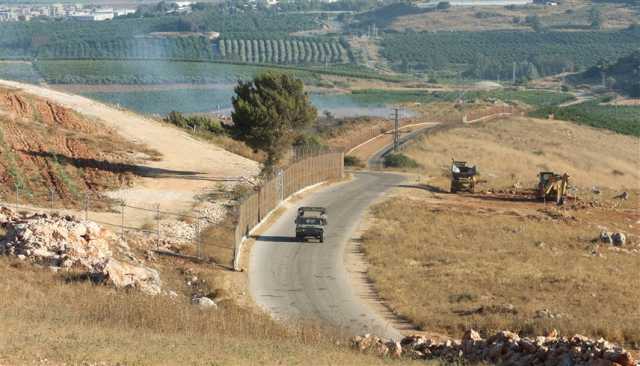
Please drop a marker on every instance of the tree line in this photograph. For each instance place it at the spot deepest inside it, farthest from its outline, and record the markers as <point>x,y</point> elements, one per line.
<point>26,38</point>
<point>491,54</point>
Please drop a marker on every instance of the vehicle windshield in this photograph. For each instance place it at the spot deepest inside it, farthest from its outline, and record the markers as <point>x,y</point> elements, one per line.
<point>311,221</point>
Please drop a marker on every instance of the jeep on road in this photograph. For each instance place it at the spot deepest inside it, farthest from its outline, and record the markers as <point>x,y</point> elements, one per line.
<point>310,223</point>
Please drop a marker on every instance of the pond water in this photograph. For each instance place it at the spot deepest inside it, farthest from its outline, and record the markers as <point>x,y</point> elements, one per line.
<point>218,100</point>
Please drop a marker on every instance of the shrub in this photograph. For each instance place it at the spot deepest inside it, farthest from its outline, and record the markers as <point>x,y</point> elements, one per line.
<point>443,5</point>
<point>399,160</point>
<point>200,123</point>
<point>354,161</point>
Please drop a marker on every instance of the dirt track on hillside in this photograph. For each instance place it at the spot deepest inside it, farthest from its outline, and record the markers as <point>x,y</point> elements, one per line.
<point>188,167</point>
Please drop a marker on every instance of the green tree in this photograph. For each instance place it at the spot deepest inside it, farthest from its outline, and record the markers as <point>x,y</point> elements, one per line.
<point>443,5</point>
<point>595,16</point>
<point>269,112</point>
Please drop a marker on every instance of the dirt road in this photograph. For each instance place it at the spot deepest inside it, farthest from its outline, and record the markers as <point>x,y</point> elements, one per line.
<point>187,168</point>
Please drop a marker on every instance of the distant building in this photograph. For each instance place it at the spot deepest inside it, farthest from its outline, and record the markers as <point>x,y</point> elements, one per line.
<point>123,12</point>
<point>57,10</point>
<point>7,15</point>
<point>430,4</point>
<point>103,14</point>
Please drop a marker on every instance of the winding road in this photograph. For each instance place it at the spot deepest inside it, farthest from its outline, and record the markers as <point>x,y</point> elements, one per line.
<point>309,281</point>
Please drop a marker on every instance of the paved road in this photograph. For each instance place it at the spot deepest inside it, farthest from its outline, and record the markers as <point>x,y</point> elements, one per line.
<point>375,161</point>
<point>294,280</point>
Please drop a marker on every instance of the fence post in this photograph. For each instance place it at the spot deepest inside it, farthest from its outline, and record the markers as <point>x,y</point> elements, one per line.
<point>51,198</point>
<point>199,234</point>
<point>86,206</point>
<point>122,222</point>
<point>158,226</point>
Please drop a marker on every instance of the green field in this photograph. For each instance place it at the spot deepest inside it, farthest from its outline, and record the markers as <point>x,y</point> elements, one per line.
<point>621,119</point>
<point>534,98</point>
<point>283,51</point>
<point>492,54</point>
<point>19,71</point>
<point>141,72</point>
<point>28,38</point>
<point>162,72</point>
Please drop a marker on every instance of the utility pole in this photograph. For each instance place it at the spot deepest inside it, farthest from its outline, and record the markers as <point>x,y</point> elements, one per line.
<point>396,130</point>
<point>513,77</point>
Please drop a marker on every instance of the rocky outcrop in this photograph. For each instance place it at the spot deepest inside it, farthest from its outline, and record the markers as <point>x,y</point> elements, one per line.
<point>65,243</point>
<point>504,348</point>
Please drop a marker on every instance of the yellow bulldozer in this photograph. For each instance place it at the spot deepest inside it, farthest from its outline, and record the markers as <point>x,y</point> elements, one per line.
<point>553,187</point>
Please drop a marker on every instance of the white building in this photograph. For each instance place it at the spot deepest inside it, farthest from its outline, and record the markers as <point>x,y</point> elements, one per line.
<point>123,12</point>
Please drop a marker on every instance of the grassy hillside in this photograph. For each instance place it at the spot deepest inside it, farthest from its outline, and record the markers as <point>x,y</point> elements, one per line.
<point>623,74</point>
<point>499,260</point>
<point>491,54</point>
<point>509,151</point>
<point>55,319</point>
<point>619,118</point>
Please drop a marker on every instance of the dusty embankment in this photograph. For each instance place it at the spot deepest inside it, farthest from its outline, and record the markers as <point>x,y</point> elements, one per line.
<point>187,167</point>
<point>49,151</point>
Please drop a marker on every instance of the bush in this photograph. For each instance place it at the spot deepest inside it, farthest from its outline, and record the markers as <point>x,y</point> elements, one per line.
<point>200,123</point>
<point>443,5</point>
<point>399,160</point>
<point>354,161</point>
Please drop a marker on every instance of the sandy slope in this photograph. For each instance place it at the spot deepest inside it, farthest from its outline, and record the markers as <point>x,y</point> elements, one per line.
<point>187,168</point>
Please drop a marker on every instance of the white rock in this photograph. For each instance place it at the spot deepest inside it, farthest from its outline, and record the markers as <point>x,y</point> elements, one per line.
<point>205,302</point>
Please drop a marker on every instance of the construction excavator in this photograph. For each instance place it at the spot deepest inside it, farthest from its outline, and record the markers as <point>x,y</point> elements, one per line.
<point>553,187</point>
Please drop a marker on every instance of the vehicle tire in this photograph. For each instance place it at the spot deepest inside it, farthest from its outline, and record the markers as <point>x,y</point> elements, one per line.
<point>321,238</point>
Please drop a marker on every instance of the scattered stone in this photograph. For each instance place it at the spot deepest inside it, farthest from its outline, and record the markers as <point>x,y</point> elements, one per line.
<point>205,302</point>
<point>65,243</point>
<point>622,196</point>
<point>502,348</point>
<point>546,314</point>
<point>618,239</point>
<point>605,237</point>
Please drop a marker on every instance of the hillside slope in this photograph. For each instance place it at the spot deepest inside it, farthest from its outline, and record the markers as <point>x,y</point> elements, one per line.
<point>188,166</point>
<point>515,150</point>
<point>45,147</point>
<point>622,75</point>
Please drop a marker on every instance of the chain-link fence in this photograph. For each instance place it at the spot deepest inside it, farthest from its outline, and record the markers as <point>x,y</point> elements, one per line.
<point>488,113</point>
<point>159,227</point>
<point>298,175</point>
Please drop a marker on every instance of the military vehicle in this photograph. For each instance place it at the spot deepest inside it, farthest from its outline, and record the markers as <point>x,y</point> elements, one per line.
<point>311,223</point>
<point>553,187</point>
<point>463,177</point>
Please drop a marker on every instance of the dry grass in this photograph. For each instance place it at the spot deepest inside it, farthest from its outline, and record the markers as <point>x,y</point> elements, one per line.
<point>515,150</point>
<point>500,18</point>
<point>44,317</point>
<point>453,256</point>
<point>237,147</point>
<point>218,241</point>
